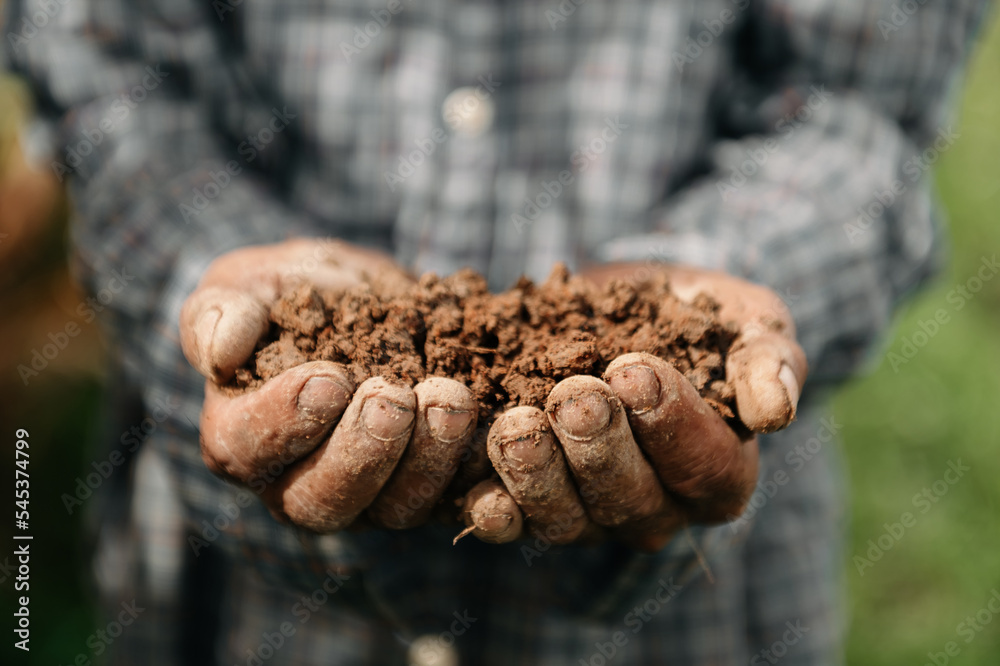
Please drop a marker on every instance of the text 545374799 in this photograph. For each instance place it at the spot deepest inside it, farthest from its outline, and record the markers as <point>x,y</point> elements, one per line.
<point>22,554</point>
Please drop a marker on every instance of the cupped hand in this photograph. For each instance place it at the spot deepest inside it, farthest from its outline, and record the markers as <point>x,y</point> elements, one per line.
<point>318,450</point>
<point>640,454</point>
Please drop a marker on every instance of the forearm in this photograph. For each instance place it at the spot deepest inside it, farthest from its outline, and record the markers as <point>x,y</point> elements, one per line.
<point>823,195</point>
<point>800,213</point>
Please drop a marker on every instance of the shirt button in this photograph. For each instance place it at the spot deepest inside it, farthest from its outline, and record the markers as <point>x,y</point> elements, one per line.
<point>431,651</point>
<point>468,110</point>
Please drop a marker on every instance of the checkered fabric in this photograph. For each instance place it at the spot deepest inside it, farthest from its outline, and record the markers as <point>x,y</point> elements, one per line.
<point>785,141</point>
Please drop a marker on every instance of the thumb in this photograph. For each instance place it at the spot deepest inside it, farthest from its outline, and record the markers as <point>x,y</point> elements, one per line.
<point>219,330</point>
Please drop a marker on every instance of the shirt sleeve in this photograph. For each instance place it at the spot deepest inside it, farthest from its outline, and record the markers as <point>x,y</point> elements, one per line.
<point>818,182</point>
<point>133,94</point>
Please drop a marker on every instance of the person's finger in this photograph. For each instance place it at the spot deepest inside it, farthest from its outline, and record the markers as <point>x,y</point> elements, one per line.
<point>767,372</point>
<point>491,514</point>
<point>695,453</point>
<point>224,318</point>
<point>766,366</point>
<point>445,420</point>
<point>219,330</point>
<point>752,308</point>
<point>617,484</point>
<point>277,424</point>
<point>327,490</point>
<point>526,456</point>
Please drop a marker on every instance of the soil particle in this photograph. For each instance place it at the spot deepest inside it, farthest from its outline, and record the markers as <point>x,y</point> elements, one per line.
<point>510,349</point>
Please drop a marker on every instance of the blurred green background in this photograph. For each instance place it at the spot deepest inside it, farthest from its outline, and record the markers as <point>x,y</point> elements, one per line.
<point>902,425</point>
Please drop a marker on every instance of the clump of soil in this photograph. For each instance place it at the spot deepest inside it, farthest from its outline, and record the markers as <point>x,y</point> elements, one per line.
<point>509,349</point>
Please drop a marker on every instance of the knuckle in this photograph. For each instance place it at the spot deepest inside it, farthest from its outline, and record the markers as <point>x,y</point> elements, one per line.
<point>710,478</point>
<point>719,492</point>
<point>218,459</point>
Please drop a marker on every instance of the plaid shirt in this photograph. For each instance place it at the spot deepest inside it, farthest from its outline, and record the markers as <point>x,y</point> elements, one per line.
<point>786,141</point>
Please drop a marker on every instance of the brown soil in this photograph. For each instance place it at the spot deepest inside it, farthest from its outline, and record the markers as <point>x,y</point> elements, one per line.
<point>510,348</point>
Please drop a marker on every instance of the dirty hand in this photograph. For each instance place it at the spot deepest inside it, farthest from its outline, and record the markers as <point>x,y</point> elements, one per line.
<point>640,454</point>
<point>317,449</point>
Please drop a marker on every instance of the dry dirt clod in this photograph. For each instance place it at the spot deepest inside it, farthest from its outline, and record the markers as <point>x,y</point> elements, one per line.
<point>510,349</point>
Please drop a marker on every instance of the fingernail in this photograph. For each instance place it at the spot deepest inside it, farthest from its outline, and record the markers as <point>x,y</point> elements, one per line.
<point>583,416</point>
<point>385,420</point>
<point>493,522</point>
<point>636,386</point>
<point>787,378</point>
<point>322,397</point>
<point>448,425</point>
<point>204,330</point>
<point>528,452</point>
